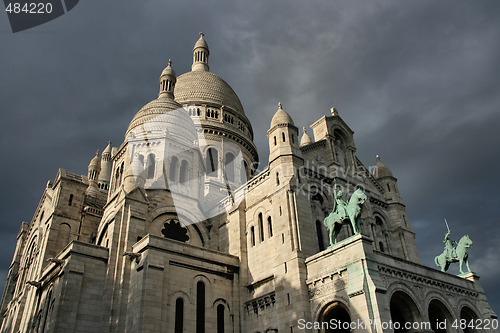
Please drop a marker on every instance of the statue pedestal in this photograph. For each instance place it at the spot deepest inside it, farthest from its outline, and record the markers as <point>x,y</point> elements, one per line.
<point>471,276</point>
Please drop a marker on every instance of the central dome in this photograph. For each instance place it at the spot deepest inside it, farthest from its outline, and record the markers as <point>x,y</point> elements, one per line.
<point>205,87</point>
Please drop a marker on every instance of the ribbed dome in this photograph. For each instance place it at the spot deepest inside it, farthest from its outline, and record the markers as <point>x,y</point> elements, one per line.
<point>198,87</point>
<point>281,117</point>
<point>381,170</point>
<point>151,111</point>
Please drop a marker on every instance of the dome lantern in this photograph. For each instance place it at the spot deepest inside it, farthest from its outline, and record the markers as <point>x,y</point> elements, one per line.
<point>200,55</point>
<point>167,82</point>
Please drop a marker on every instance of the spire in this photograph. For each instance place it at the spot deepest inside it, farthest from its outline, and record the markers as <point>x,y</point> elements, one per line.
<point>200,55</point>
<point>167,82</point>
<point>306,139</point>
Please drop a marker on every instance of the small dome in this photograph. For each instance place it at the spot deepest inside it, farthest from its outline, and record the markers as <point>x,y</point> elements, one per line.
<point>381,170</point>
<point>201,42</point>
<point>168,70</point>
<point>95,163</point>
<point>281,117</point>
<point>306,139</point>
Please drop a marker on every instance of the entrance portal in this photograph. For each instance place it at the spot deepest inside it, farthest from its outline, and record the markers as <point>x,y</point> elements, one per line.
<point>337,317</point>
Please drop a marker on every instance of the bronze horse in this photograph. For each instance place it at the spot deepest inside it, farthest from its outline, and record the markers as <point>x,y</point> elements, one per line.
<point>351,213</point>
<point>462,255</point>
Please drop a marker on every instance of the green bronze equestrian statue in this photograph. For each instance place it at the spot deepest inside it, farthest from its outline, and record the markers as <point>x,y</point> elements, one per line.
<point>454,252</point>
<point>344,213</point>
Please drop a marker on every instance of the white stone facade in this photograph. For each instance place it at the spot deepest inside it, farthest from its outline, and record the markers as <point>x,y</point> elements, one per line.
<point>124,249</point>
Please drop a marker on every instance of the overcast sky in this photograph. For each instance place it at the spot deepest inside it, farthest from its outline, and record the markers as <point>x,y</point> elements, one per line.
<point>419,83</point>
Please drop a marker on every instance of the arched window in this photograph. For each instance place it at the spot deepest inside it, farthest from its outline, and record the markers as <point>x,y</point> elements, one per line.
<point>183,172</point>
<point>212,158</point>
<point>150,166</point>
<point>275,142</point>
<point>270,226</point>
<point>179,315</point>
<point>388,188</point>
<point>261,228</point>
<point>277,178</point>
<point>70,201</point>
<point>220,318</point>
<point>319,233</point>
<point>41,216</point>
<point>283,136</point>
<point>252,235</point>
<point>173,168</point>
<point>200,307</point>
<point>381,246</point>
<point>229,167</point>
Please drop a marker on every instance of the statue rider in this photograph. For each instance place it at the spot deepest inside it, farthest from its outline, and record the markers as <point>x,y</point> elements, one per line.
<point>340,204</point>
<point>449,247</point>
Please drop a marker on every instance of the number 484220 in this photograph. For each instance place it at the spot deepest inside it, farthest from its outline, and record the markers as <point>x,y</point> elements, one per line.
<point>29,8</point>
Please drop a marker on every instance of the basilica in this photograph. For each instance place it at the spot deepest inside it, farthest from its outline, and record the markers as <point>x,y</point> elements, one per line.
<point>176,230</point>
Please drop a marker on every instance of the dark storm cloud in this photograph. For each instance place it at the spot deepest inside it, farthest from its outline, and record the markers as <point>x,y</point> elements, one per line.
<point>417,81</point>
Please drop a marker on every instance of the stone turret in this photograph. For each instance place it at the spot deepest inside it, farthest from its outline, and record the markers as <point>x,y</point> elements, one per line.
<point>93,175</point>
<point>282,136</point>
<point>167,82</point>
<point>106,168</point>
<point>384,176</point>
<point>200,55</point>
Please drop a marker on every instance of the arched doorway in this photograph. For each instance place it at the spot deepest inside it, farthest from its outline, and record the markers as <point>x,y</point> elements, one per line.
<point>403,311</point>
<point>470,317</point>
<point>439,317</point>
<point>335,313</point>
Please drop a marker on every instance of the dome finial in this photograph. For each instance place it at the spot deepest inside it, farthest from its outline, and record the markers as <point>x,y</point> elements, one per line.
<point>201,34</point>
<point>97,153</point>
<point>170,62</point>
<point>378,158</point>
<point>280,106</point>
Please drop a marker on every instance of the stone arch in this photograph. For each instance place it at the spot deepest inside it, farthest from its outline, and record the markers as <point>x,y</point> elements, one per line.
<point>185,217</point>
<point>203,278</point>
<point>337,311</point>
<point>180,294</point>
<point>221,301</point>
<point>469,314</point>
<point>438,312</point>
<point>403,309</point>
